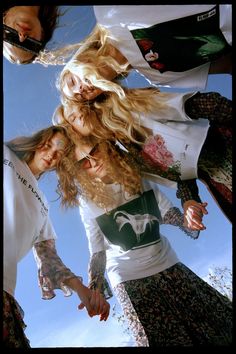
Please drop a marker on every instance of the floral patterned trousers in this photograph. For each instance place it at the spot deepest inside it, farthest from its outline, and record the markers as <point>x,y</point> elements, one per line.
<point>13,324</point>
<point>175,308</point>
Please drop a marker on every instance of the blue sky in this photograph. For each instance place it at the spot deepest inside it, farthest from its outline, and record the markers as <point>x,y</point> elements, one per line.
<point>30,98</point>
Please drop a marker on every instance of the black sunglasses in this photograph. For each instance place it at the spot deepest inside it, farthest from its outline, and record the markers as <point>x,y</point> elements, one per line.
<point>85,161</point>
<point>31,45</point>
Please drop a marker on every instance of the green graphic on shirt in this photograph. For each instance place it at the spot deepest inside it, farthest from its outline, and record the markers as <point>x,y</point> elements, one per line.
<point>132,224</point>
<point>184,43</point>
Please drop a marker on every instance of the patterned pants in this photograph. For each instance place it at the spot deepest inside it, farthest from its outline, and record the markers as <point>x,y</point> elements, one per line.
<point>175,308</point>
<point>13,324</point>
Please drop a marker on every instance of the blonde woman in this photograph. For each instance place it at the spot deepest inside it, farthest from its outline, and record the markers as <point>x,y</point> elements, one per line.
<point>112,50</point>
<point>27,225</point>
<point>168,135</point>
<point>163,301</point>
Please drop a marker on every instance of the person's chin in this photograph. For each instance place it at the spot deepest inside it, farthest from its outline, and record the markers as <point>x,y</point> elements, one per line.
<point>45,166</point>
<point>102,174</point>
<point>92,95</point>
<point>86,133</point>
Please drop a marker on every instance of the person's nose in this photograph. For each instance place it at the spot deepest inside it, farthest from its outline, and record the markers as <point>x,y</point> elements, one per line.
<point>22,36</point>
<point>50,155</point>
<point>80,88</point>
<point>93,162</point>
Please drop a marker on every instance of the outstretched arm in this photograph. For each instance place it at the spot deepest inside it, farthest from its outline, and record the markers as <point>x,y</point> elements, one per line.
<point>53,274</point>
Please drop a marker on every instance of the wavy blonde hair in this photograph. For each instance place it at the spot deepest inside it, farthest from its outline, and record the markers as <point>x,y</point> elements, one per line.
<point>117,108</point>
<point>116,118</point>
<point>92,55</point>
<point>93,121</point>
<point>75,181</point>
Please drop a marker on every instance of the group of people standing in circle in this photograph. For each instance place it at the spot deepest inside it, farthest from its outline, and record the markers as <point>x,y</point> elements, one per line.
<point>106,143</point>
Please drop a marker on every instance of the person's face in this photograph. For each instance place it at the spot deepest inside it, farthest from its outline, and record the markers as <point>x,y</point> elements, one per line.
<point>75,88</point>
<point>24,19</point>
<point>91,159</point>
<point>77,119</point>
<point>48,155</point>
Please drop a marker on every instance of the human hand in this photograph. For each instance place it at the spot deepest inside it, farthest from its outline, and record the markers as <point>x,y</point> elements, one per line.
<point>94,302</point>
<point>193,214</point>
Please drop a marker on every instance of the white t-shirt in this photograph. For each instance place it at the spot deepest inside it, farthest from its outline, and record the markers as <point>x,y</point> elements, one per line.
<point>129,254</point>
<point>156,39</point>
<point>26,219</point>
<point>176,145</point>
<point>180,138</point>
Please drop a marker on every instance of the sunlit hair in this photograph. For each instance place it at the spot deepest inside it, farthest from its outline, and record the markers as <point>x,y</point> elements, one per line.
<point>91,118</point>
<point>75,182</point>
<point>115,118</point>
<point>92,55</point>
<point>123,117</point>
<point>25,146</point>
<point>48,17</point>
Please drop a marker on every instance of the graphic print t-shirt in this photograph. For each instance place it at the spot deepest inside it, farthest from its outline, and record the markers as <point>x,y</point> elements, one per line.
<point>26,218</point>
<point>130,234</point>
<point>184,43</point>
<point>170,45</point>
<point>134,224</point>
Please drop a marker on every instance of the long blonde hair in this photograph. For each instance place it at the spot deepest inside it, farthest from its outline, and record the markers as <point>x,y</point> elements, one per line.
<point>92,54</point>
<point>116,118</point>
<point>93,121</point>
<point>118,108</point>
<point>75,182</point>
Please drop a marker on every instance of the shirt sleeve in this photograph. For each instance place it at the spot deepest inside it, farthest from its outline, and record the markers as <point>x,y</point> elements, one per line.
<point>96,272</point>
<point>51,270</point>
<point>47,232</point>
<point>163,202</point>
<point>174,217</point>
<point>169,213</point>
<point>187,190</point>
<point>97,248</point>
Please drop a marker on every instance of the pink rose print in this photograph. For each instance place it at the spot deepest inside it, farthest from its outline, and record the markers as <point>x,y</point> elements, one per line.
<point>155,151</point>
